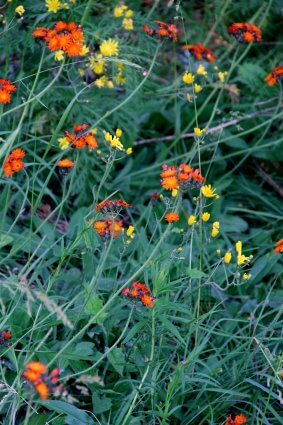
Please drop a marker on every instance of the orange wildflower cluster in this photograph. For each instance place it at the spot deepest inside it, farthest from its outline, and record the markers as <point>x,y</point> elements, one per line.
<point>6,88</point>
<point>183,177</point>
<point>5,338</point>
<point>44,384</point>
<point>164,30</point>
<point>273,77</point>
<point>278,249</point>
<point>65,165</point>
<point>172,217</point>
<point>238,420</point>
<point>200,52</point>
<point>245,33</point>
<point>108,228</point>
<point>63,36</point>
<point>14,163</point>
<point>81,138</point>
<point>141,292</point>
<point>112,206</point>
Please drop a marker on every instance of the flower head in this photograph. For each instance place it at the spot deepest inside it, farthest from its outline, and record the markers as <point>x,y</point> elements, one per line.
<point>20,10</point>
<point>207,191</point>
<point>65,165</point>
<point>108,228</point>
<point>6,88</point>
<point>114,206</point>
<point>197,88</point>
<point>14,162</point>
<point>36,373</point>
<point>130,232</point>
<point>198,132</point>
<point>201,71</point>
<point>140,292</point>
<point>114,141</point>
<point>191,220</point>
<point>5,338</point>
<point>215,229</point>
<point>109,48</point>
<point>222,76</point>
<point>188,78</point>
<point>164,30</point>
<point>227,257</point>
<point>81,138</point>
<point>183,177</point>
<point>245,32</point>
<point>241,258</point>
<point>238,420</point>
<point>172,217</point>
<point>200,52</point>
<point>205,216</point>
<point>278,249</point>
<point>274,76</point>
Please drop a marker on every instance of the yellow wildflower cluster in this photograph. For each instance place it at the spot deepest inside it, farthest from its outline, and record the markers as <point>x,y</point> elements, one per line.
<point>241,259</point>
<point>215,229</point>
<point>53,6</point>
<point>96,64</point>
<point>104,82</point>
<point>109,48</point>
<point>114,141</point>
<point>20,10</point>
<point>222,76</point>
<point>124,12</point>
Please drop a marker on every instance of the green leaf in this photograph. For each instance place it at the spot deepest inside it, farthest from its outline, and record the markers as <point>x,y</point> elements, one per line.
<point>195,273</point>
<point>62,407</point>
<point>5,240</point>
<point>93,306</point>
<point>117,359</point>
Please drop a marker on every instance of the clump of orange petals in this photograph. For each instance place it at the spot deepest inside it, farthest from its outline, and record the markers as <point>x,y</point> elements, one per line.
<point>65,165</point>
<point>108,228</point>
<point>272,78</point>
<point>278,248</point>
<point>200,52</point>
<point>238,420</point>
<point>6,88</point>
<point>114,206</point>
<point>140,292</point>
<point>37,374</point>
<point>81,138</point>
<point>63,36</point>
<point>184,177</point>
<point>245,33</point>
<point>14,163</point>
<point>172,217</point>
<point>164,30</point>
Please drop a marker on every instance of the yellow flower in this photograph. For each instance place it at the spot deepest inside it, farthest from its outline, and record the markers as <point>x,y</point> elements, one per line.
<point>198,132</point>
<point>109,48</point>
<point>191,220</point>
<point>59,55</point>
<point>63,143</point>
<point>110,84</point>
<point>239,247</point>
<point>241,258</point>
<point>128,24</point>
<point>114,141</point>
<point>81,72</point>
<point>227,257</point>
<point>174,193</point>
<point>120,79</point>
<point>118,12</point>
<point>222,75</point>
<point>84,50</point>
<point>119,132</point>
<point>215,229</point>
<point>20,10</point>
<point>188,78</point>
<point>97,66</point>
<point>201,70</point>
<point>53,5</point>
<point>130,232</point>
<point>189,98</point>
<point>129,14</point>
<point>207,191</point>
<point>93,131</point>
<point>129,151</point>
<point>215,68</point>
<point>247,276</point>
<point>205,216</point>
<point>197,88</point>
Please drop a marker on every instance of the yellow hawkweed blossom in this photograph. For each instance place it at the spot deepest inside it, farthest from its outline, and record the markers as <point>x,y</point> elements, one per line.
<point>188,78</point>
<point>104,82</point>
<point>118,132</point>
<point>109,48</point>
<point>205,216</point>
<point>84,50</point>
<point>207,191</point>
<point>197,88</point>
<point>174,193</point>
<point>96,65</point>
<point>241,258</point>
<point>53,5</point>
<point>201,71</point>
<point>81,72</point>
<point>114,141</point>
<point>215,229</point>
<point>128,24</point>
<point>63,143</point>
<point>20,10</point>
<point>222,76</point>
<point>130,232</point>
<point>191,220</point>
<point>198,132</point>
<point>227,257</point>
<point>119,11</point>
<point>59,55</point>
<point>129,151</point>
<point>247,276</point>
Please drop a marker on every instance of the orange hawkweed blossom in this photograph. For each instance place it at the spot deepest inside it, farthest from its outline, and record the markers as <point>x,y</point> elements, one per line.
<point>184,177</point>
<point>245,33</point>
<point>141,292</point>
<point>278,249</point>
<point>80,138</point>
<point>44,384</point>
<point>164,30</point>
<point>200,52</point>
<point>272,78</point>
<point>108,228</point>
<point>6,88</point>
<point>65,164</point>
<point>238,420</point>
<point>172,217</point>
<point>14,162</point>
<point>63,36</point>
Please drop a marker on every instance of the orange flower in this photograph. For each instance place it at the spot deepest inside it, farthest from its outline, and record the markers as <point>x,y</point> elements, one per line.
<point>65,164</point>
<point>34,370</point>
<point>172,217</point>
<point>200,52</point>
<point>272,78</point>
<point>14,163</point>
<point>278,249</point>
<point>239,420</point>
<point>147,300</point>
<point>184,177</point>
<point>141,292</point>
<point>6,88</point>
<point>170,183</point>
<point>108,228</point>
<point>112,206</point>
<point>140,287</point>
<point>43,390</point>
<point>81,138</point>
<point>164,30</point>
<point>63,36</point>
<point>245,32</point>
